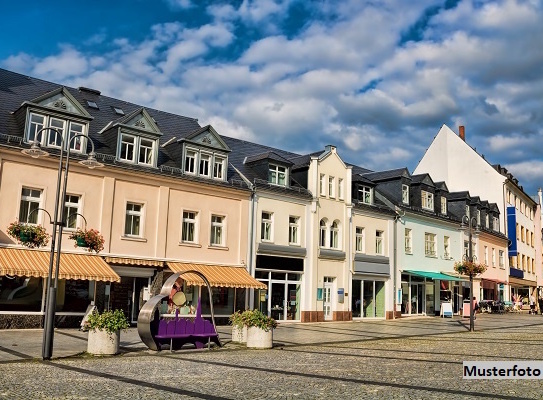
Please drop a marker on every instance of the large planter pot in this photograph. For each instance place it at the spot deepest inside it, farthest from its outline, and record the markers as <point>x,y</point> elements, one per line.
<point>103,343</point>
<point>239,335</point>
<point>259,339</point>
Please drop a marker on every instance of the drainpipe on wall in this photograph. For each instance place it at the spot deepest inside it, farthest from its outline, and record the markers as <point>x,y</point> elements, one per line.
<point>251,261</point>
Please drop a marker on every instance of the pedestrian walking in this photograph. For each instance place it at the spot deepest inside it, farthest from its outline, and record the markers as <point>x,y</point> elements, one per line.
<point>475,307</point>
<point>540,300</point>
<point>532,304</point>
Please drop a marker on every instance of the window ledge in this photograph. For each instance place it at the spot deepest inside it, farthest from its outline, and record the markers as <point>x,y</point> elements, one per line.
<point>134,238</point>
<point>430,256</point>
<point>409,253</point>
<point>189,244</point>
<point>217,247</point>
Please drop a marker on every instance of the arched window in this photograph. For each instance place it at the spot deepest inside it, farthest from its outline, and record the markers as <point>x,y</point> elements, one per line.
<point>334,235</point>
<point>323,230</point>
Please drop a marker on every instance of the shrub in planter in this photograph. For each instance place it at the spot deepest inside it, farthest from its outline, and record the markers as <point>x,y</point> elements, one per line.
<point>104,331</point>
<point>91,239</point>
<point>29,235</point>
<point>239,331</point>
<point>259,328</point>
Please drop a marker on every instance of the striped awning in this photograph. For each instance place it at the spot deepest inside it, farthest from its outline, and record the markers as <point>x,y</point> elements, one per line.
<point>22,262</point>
<point>217,275</point>
<point>134,261</point>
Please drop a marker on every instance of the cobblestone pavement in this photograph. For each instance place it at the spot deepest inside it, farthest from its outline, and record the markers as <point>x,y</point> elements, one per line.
<point>414,359</point>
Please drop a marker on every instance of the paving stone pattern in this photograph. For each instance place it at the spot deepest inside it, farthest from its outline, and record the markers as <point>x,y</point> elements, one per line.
<point>402,359</point>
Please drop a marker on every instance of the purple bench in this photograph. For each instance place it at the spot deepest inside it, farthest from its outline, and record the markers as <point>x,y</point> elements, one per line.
<point>180,331</point>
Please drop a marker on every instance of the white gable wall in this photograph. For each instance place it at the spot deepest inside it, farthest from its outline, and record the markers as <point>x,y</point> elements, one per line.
<point>452,160</point>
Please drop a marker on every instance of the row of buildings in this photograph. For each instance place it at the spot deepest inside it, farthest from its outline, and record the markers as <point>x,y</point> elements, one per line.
<point>300,237</point>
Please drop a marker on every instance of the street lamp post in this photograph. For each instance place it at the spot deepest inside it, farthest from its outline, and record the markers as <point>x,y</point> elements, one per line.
<point>473,229</point>
<point>35,151</point>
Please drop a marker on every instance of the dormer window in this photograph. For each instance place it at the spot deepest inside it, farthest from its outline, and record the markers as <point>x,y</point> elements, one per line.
<point>137,150</point>
<point>63,129</point>
<point>190,162</point>
<point>405,194</point>
<point>218,168</point>
<point>365,194</point>
<point>277,175</point>
<point>443,205</point>
<point>427,200</point>
<point>205,164</point>
<point>203,170</point>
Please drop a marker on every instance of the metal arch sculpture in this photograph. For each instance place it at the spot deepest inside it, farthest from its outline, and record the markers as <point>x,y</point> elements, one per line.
<point>149,315</point>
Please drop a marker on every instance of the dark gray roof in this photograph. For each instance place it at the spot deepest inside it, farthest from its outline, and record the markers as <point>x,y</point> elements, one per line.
<point>268,155</point>
<point>380,176</point>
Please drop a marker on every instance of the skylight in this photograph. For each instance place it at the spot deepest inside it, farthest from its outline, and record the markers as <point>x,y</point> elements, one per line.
<point>118,111</point>
<point>92,104</point>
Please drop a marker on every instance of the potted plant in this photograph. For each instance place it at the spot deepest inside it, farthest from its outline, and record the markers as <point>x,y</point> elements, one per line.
<point>105,331</point>
<point>90,239</point>
<point>239,330</point>
<point>259,329</point>
<point>28,235</point>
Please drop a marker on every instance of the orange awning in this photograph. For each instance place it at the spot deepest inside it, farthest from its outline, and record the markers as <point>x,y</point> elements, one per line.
<point>134,261</point>
<point>217,275</point>
<point>22,262</point>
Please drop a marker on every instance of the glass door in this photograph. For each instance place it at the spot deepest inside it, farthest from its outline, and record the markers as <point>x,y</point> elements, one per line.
<point>292,309</point>
<point>278,300</point>
<point>327,298</point>
<point>368,304</point>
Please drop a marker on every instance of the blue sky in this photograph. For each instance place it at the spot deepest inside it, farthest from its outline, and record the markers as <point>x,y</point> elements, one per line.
<point>377,79</point>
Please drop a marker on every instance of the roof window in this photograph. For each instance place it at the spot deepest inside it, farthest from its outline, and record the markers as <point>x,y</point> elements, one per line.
<point>92,104</point>
<point>118,111</point>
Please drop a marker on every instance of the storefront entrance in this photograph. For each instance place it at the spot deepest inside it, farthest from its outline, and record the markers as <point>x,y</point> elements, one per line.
<point>368,299</point>
<point>281,300</point>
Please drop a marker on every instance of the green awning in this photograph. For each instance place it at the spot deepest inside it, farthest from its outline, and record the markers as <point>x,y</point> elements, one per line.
<point>437,276</point>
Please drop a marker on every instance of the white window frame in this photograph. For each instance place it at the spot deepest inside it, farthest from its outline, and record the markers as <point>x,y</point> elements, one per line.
<point>132,215</point>
<point>487,221</point>
<point>478,217</point>
<point>59,125</point>
<point>322,187</point>
<point>501,259</point>
<point>189,218</point>
<point>191,157</point>
<point>405,194</point>
<point>147,151</point>
<point>496,224</point>
<point>485,254</point>
<point>429,244</point>
<point>127,144</point>
<point>219,167</point>
<point>69,207</point>
<point>275,172</point>
<point>408,241</point>
<point>443,205</point>
<point>205,161</point>
<point>340,188</point>
<point>494,257</point>
<point>365,194</point>
<point>331,187</point>
<point>217,226</point>
<point>360,240</point>
<point>293,230</point>
<point>30,199</point>
<point>427,200</point>
<point>323,233</point>
<point>266,226</point>
<point>379,245</point>
<point>335,242</point>
<point>446,247</point>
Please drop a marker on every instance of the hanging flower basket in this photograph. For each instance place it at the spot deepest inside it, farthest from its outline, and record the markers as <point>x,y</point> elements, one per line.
<point>469,268</point>
<point>89,239</point>
<point>28,235</point>
<point>80,241</point>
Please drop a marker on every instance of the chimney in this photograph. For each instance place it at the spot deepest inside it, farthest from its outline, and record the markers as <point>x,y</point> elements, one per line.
<point>462,132</point>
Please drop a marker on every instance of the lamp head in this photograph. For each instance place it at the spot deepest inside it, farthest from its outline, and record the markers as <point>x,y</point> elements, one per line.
<point>35,150</point>
<point>91,162</point>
